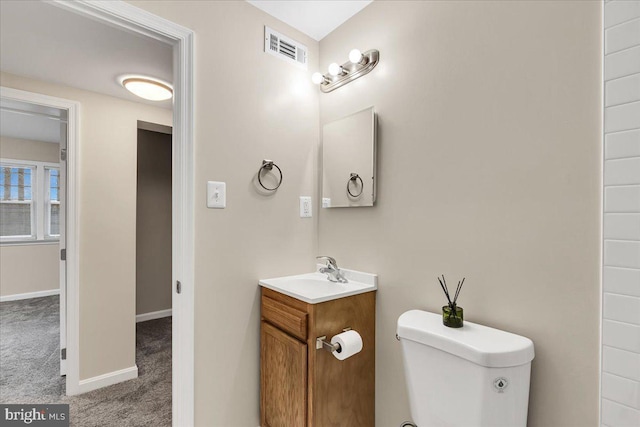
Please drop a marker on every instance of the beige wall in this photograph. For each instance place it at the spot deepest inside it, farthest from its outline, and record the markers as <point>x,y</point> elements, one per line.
<point>26,268</point>
<point>489,152</point>
<point>153,222</point>
<point>260,107</point>
<point>17,272</point>
<point>24,149</point>
<point>489,159</point>
<point>108,133</point>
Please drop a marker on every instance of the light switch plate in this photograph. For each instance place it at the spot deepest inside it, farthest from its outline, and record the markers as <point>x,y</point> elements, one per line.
<point>216,195</point>
<point>305,207</point>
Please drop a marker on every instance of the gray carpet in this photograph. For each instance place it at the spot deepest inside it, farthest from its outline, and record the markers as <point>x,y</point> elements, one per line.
<point>29,369</point>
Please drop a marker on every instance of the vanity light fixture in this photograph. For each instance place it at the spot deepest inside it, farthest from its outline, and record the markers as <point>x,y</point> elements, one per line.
<point>358,65</point>
<point>148,88</point>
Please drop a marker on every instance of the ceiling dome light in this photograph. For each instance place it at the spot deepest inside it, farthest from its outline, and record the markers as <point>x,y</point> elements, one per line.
<point>147,87</point>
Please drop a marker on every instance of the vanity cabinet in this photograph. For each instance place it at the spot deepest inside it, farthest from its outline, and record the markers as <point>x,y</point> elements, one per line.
<point>284,383</point>
<point>301,386</point>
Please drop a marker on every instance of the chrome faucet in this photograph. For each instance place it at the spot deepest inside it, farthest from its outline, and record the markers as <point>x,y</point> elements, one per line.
<point>331,270</point>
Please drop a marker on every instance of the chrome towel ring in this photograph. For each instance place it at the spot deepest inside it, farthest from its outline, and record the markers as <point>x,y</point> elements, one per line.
<point>269,165</point>
<point>354,178</point>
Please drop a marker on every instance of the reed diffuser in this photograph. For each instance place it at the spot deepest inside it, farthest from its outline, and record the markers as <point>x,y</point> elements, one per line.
<point>452,315</point>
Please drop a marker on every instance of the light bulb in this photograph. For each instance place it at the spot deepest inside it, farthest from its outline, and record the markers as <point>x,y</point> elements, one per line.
<point>355,56</point>
<point>335,69</point>
<point>317,78</point>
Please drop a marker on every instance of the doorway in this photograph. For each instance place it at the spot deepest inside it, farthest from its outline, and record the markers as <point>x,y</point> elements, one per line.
<point>61,116</point>
<point>153,222</point>
<point>33,140</point>
<point>126,17</point>
<point>153,261</point>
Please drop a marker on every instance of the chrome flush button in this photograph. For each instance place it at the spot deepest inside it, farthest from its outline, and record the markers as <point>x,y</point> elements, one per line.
<point>500,384</point>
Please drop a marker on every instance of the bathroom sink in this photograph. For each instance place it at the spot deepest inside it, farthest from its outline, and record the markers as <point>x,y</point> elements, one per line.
<point>315,288</point>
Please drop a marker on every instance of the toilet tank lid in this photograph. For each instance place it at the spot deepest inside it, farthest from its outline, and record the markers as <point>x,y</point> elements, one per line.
<point>479,344</point>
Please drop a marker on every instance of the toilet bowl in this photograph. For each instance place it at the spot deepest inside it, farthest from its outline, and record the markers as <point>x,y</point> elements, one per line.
<point>474,376</point>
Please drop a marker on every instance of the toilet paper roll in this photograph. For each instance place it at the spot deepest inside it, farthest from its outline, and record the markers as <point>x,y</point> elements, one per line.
<point>350,344</point>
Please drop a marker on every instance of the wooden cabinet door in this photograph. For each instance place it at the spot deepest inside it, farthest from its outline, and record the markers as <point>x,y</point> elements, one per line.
<point>283,379</point>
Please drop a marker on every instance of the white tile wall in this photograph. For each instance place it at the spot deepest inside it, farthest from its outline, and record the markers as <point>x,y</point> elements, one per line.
<point>622,308</point>
<point>621,228</point>
<point>621,363</point>
<point>622,117</point>
<point>623,281</point>
<point>622,171</point>
<point>617,12</point>
<point>621,335</point>
<point>623,63</point>
<point>620,253</point>
<point>622,36</point>
<point>621,390</point>
<point>614,414</point>
<point>622,199</point>
<point>623,144</point>
<point>622,90</point>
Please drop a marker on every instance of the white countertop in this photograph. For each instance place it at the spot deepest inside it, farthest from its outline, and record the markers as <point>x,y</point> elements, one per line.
<point>315,288</point>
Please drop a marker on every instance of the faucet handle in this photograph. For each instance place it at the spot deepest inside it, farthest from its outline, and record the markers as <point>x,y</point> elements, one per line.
<point>330,260</point>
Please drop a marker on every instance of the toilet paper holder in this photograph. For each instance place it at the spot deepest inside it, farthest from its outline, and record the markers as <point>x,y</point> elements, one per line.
<point>322,343</point>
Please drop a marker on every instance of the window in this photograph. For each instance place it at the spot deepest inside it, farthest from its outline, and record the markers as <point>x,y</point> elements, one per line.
<point>16,202</point>
<point>29,201</point>
<point>52,220</point>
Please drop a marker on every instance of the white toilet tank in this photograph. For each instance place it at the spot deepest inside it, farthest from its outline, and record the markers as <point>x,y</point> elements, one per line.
<point>474,376</point>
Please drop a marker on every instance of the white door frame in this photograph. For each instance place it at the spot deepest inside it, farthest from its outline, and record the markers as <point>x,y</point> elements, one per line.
<point>127,17</point>
<point>68,334</point>
<point>62,241</point>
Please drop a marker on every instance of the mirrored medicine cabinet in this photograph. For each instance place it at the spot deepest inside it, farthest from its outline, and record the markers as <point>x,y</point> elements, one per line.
<point>349,161</point>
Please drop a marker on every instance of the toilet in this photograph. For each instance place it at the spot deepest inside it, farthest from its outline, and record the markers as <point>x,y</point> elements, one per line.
<point>474,376</point>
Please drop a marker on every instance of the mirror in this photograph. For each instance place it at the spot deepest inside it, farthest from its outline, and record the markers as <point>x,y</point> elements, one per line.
<point>349,161</point>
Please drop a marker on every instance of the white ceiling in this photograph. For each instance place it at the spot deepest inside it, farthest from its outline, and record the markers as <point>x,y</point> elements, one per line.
<point>312,17</point>
<point>29,121</point>
<point>47,43</point>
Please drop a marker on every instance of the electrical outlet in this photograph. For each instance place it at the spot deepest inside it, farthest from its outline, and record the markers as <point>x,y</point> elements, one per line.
<point>326,202</point>
<point>305,207</point>
<point>216,195</point>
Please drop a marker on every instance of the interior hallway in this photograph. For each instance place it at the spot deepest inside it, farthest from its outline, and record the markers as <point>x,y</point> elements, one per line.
<point>29,369</point>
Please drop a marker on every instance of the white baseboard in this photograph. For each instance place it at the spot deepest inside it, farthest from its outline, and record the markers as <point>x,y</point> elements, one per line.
<point>16,297</point>
<point>153,315</point>
<point>108,379</point>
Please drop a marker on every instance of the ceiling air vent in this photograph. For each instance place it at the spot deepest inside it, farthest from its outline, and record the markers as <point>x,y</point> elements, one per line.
<point>285,48</point>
